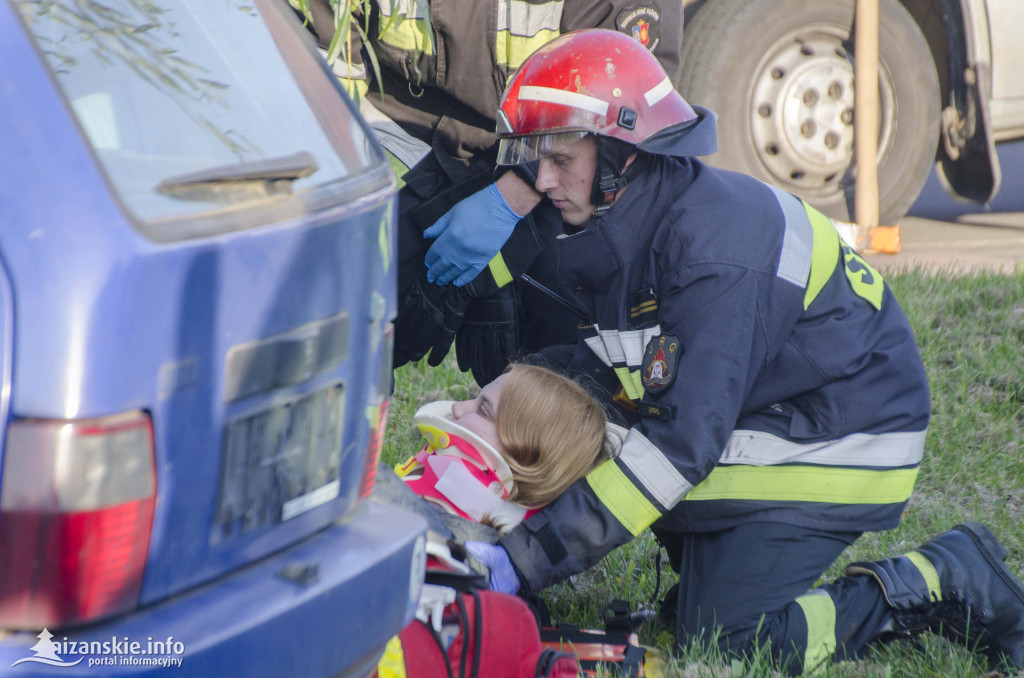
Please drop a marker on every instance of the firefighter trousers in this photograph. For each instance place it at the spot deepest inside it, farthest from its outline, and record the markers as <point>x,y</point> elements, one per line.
<point>751,589</point>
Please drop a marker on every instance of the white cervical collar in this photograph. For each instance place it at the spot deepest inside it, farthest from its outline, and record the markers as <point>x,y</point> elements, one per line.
<point>434,422</point>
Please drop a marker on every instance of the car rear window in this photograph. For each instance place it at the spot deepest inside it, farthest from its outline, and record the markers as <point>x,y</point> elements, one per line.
<point>204,109</point>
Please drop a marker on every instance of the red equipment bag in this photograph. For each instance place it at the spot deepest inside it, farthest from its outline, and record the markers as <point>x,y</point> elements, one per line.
<point>485,634</point>
<point>462,630</point>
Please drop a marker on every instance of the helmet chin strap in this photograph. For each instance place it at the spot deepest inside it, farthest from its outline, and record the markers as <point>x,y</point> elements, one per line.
<point>609,178</point>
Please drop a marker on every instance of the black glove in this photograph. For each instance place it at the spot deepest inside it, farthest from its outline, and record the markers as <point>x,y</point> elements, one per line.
<point>427,321</point>
<point>488,338</point>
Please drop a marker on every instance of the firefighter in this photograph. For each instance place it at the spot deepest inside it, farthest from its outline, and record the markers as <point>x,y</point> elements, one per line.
<point>777,401</point>
<point>430,91</point>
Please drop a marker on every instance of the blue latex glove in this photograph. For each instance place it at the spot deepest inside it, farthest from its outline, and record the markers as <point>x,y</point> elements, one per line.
<point>468,236</point>
<point>503,575</point>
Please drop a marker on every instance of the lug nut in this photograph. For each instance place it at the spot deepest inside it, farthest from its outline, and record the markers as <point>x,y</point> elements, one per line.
<point>810,97</point>
<point>847,116</point>
<point>831,140</point>
<point>808,128</point>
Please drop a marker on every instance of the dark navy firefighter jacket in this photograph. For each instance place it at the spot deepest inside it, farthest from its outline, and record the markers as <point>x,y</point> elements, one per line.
<point>773,374</point>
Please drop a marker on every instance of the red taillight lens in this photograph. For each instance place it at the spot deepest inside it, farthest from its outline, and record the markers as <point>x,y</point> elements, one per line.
<point>373,448</point>
<point>76,512</point>
<point>379,415</point>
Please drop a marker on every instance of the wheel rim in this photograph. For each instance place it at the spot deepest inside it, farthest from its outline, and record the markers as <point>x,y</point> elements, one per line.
<point>801,110</point>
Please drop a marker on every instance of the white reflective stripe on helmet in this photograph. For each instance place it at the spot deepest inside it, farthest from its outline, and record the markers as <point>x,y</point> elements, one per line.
<point>560,96</point>
<point>520,150</point>
<point>658,92</point>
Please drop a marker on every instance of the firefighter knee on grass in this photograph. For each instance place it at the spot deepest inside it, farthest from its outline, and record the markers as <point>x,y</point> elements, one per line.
<point>767,371</point>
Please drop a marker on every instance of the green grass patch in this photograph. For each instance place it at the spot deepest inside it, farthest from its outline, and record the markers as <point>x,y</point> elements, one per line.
<point>970,330</point>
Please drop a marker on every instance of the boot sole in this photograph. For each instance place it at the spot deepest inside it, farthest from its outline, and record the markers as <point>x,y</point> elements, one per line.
<point>995,553</point>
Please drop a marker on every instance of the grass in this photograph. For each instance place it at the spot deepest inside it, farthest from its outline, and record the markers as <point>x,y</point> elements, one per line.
<point>970,330</point>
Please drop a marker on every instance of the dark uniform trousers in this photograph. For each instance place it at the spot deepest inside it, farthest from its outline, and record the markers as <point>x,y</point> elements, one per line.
<point>750,590</point>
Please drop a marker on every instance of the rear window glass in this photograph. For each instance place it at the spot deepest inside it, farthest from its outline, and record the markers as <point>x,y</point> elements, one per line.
<point>191,107</point>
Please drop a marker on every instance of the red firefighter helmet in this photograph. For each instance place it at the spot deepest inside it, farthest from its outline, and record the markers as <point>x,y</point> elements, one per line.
<point>600,82</point>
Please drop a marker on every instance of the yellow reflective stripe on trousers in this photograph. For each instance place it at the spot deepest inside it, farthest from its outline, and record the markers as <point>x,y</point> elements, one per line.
<point>498,269</point>
<point>392,662</point>
<point>627,503</point>
<point>927,570</point>
<point>824,253</point>
<point>820,615</point>
<point>830,485</point>
<point>630,382</point>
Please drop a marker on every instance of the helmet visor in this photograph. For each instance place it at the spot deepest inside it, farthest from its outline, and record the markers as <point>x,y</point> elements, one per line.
<point>521,150</point>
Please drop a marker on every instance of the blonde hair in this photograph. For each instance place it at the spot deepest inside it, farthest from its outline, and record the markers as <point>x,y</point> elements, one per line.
<point>552,432</point>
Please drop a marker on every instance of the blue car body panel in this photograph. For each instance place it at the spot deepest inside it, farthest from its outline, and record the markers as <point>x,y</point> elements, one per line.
<point>97,318</point>
<point>256,623</point>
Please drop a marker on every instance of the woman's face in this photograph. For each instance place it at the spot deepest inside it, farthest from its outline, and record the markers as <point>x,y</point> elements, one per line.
<point>480,414</point>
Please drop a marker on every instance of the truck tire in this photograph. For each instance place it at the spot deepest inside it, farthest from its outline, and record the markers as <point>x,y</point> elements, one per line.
<point>779,74</point>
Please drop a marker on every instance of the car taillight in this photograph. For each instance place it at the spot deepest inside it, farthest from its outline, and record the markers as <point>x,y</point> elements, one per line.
<point>373,448</point>
<point>76,512</point>
<point>378,415</point>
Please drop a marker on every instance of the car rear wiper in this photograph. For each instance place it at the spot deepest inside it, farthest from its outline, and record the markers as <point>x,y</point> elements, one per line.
<point>242,181</point>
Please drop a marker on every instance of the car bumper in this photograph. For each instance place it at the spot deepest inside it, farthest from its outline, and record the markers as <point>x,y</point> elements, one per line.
<point>324,607</point>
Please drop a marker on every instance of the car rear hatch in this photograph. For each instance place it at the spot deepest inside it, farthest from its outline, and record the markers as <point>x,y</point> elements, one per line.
<point>210,312</point>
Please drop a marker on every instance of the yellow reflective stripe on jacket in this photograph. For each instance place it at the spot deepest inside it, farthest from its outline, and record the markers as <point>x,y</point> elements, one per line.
<point>820,615</point>
<point>631,382</point>
<point>623,499</point>
<point>831,485</point>
<point>523,27</point>
<point>404,26</point>
<point>864,279</point>
<point>810,246</point>
<point>498,269</point>
<point>512,50</point>
<point>355,88</point>
<point>392,663</point>
<point>657,478</point>
<point>928,573</point>
<point>824,253</point>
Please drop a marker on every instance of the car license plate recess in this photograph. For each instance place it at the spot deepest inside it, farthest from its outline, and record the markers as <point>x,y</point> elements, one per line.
<point>280,462</point>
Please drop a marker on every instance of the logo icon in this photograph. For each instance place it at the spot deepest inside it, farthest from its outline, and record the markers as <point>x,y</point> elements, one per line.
<point>658,369</point>
<point>641,32</point>
<point>46,652</point>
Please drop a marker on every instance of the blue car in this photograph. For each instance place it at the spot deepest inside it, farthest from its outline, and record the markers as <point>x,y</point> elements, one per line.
<point>196,294</point>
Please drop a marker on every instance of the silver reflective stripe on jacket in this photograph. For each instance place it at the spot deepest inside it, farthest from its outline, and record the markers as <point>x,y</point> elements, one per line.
<point>624,353</point>
<point>885,450</point>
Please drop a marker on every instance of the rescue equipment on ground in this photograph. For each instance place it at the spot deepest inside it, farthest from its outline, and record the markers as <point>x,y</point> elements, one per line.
<point>461,629</point>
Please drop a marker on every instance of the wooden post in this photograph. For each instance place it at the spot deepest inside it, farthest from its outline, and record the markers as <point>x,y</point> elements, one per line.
<point>865,88</point>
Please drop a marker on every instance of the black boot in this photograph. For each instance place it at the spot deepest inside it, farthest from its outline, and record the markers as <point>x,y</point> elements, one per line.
<point>956,584</point>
